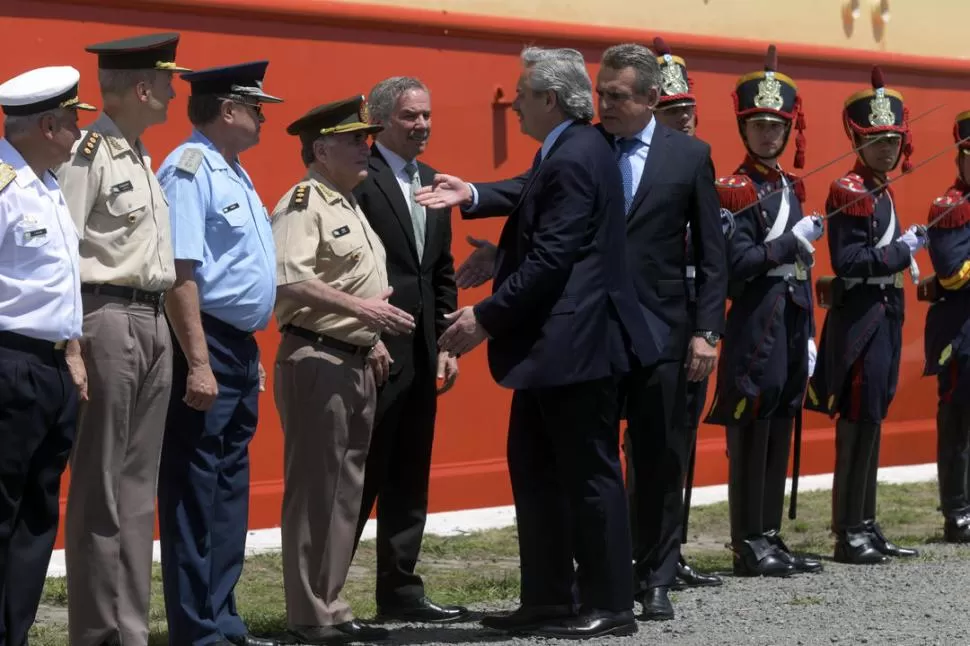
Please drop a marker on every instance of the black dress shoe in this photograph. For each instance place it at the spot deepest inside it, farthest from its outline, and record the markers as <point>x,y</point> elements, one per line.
<point>957,530</point>
<point>800,562</point>
<point>756,557</point>
<point>351,630</point>
<point>656,604</point>
<point>590,625</point>
<point>856,548</point>
<point>884,545</point>
<point>422,610</point>
<point>526,618</point>
<point>249,640</point>
<point>688,577</point>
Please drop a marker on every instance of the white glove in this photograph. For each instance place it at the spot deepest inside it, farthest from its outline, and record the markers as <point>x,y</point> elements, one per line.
<point>809,227</point>
<point>913,239</point>
<point>812,355</point>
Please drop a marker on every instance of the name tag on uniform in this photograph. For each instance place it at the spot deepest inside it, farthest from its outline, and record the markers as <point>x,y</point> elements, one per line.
<point>342,231</point>
<point>35,233</point>
<point>124,187</point>
<point>230,208</point>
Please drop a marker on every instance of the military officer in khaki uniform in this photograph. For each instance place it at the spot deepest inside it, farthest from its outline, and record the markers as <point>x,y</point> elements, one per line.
<point>126,266</point>
<point>332,308</point>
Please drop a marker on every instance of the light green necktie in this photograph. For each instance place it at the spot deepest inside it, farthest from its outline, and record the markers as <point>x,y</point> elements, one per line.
<point>417,211</point>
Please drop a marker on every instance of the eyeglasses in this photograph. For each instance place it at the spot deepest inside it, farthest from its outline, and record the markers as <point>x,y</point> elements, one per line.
<point>257,107</point>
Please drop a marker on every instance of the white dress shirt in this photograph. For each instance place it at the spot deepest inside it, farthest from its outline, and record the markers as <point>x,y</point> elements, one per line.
<point>638,160</point>
<point>397,164</point>
<point>40,280</point>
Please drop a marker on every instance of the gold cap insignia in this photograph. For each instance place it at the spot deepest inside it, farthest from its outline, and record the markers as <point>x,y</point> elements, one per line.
<point>769,93</point>
<point>880,110</point>
<point>364,112</point>
<point>672,78</point>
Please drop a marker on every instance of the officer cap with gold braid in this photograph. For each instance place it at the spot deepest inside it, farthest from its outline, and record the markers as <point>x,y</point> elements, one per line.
<point>879,111</point>
<point>42,90</point>
<point>675,84</point>
<point>770,95</point>
<point>346,115</point>
<point>150,52</point>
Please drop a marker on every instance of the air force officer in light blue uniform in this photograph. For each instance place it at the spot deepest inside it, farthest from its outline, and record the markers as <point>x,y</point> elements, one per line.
<point>225,289</point>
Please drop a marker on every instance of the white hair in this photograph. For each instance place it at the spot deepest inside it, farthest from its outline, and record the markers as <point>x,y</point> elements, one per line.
<point>19,125</point>
<point>563,71</point>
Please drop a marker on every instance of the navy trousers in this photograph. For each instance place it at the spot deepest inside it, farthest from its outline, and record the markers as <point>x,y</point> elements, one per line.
<point>203,490</point>
<point>38,412</point>
<point>564,463</point>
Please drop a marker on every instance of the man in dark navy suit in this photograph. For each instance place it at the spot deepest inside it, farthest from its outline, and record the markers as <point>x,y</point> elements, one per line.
<point>563,325</point>
<point>668,181</point>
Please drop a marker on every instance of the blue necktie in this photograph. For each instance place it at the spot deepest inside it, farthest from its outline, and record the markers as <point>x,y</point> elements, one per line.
<point>626,147</point>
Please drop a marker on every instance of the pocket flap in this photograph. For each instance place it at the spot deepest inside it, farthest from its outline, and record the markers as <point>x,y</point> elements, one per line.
<point>129,202</point>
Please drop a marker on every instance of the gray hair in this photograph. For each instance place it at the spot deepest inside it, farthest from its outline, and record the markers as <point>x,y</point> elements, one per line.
<point>562,71</point>
<point>117,82</point>
<point>641,59</point>
<point>385,95</point>
<point>19,125</point>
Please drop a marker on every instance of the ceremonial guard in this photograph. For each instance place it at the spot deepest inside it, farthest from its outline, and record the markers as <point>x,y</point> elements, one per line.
<point>947,338</point>
<point>859,351</point>
<point>332,309</point>
<point>40,318</point>
<point>126,267</point>
<point>676,109</point>
<point>765,363</point>
<point>225,289</point>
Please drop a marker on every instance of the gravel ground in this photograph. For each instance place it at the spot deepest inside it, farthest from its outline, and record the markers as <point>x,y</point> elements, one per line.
<point>922,601</point>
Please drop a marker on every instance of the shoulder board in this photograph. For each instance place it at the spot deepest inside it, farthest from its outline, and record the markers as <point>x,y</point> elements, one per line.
<point>190,161</point>
<point>736,192</point>
<point>950,211</point>
<point>7,174</point>
<point>300,198</point>
<point>89,146</point>
<point>849,193</point>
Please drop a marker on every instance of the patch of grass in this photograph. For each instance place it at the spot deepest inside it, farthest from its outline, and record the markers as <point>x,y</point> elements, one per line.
<point>805,600</point>
<point>482,567</point>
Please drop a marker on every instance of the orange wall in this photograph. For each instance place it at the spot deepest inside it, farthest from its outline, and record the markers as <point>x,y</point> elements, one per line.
<point>324,52</point>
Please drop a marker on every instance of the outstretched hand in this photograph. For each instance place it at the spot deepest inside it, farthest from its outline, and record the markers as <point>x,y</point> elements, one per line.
<point>445,191</point>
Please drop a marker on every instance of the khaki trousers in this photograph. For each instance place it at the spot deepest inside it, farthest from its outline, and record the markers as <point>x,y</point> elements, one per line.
<point>110,518</point>
<point>326,400</point>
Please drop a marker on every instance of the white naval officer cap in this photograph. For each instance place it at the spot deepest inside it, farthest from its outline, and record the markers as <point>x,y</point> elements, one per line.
<point>41,90</point>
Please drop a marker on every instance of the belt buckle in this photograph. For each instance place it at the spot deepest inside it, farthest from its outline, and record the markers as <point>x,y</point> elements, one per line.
<point>60,345</point>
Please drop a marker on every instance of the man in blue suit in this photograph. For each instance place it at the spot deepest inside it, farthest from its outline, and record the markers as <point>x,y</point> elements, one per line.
<point>563,325</point>
<point>671,204</point>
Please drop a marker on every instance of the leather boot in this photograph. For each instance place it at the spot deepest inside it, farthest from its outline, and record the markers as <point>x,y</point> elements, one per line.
<point>952,461</point>
<point>855,547</point>
<point>957,529</point>
<point>847,483</point>
<point>688,577</point>
<point>756,557</point>
<point>800,562</point>
<point>869,435</point>
<point>747,447</point>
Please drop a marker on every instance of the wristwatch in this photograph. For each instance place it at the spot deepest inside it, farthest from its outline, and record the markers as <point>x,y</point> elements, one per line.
<point>711,337</point>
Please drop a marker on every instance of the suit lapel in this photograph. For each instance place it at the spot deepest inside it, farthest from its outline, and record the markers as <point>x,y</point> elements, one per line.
<point>563,136</point>
<point>655,159</point>
<point>387,183</point>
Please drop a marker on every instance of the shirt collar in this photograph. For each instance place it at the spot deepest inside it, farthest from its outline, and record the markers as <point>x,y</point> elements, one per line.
<point>551,138</point>
<point>394,161</point>
<point>25,174</point>
<point>646,135</point>
<point>115,139</point>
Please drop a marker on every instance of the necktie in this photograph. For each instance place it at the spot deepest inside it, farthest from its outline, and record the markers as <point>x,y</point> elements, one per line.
<point>417,211</point>
<point>625,148</point>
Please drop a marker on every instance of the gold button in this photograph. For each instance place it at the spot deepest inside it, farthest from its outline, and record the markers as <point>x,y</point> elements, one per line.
<point>132,218</point>
<point>357,256</point>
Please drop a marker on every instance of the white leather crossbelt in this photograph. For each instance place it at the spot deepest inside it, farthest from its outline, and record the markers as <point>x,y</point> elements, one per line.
<point>691,272</point>
<point>895,279</point>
